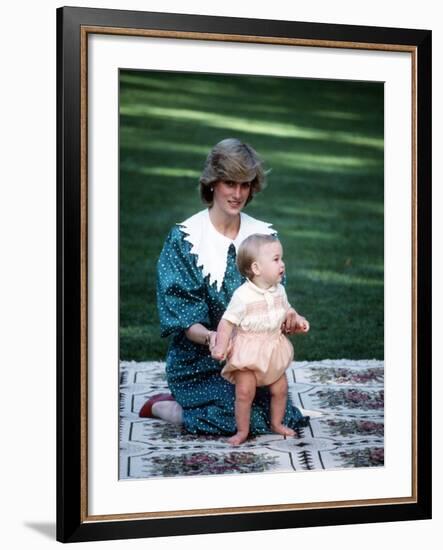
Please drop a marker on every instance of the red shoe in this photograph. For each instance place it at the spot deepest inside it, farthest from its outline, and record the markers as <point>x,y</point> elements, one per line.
<point>146,410</point>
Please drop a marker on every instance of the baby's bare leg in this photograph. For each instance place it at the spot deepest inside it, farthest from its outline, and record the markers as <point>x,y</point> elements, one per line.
<point>279,396</point>
<point>245,387</point>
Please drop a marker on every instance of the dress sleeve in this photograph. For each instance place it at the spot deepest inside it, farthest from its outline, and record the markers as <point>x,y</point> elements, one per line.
<point>181,291</point>
<point>235,311</point>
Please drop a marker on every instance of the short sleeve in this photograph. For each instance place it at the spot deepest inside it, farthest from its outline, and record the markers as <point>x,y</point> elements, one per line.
<point>235,311</point>
<point>181,291</point>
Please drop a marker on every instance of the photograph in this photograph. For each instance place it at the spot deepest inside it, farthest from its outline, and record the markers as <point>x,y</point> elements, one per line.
<point>251,246</point>
<point>219,246</point>
<point>243,274</point>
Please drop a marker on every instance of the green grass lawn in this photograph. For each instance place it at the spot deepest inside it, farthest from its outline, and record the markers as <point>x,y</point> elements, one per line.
<point>322,140</point>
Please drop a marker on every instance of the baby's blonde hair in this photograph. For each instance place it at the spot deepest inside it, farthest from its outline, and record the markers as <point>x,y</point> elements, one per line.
<point>249,250</point>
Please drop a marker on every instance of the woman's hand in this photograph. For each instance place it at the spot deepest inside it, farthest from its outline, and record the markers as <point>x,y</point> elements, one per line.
<point>294,323</point>
<point>199,334</point>
<point>218,353</point>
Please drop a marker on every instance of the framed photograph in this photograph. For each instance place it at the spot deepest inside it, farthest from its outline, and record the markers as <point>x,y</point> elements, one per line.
<point>179,138</point>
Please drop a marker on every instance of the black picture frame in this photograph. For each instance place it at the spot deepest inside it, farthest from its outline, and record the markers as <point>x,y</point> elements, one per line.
<point>73,25</point>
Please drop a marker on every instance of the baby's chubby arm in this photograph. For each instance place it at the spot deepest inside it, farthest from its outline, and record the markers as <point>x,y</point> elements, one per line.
<point>224,332</point>
<point>294,322</point>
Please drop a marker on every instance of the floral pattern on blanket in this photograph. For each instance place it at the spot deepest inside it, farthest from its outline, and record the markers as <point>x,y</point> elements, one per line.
<point>348,434</point>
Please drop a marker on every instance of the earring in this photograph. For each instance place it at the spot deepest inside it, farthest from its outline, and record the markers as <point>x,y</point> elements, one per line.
<point>212,189</point>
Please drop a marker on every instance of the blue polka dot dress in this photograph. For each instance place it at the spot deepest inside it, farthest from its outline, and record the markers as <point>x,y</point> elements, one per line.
<point>185,297</point>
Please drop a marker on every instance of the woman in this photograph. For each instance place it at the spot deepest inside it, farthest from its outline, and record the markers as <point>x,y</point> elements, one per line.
<point>197,275</point>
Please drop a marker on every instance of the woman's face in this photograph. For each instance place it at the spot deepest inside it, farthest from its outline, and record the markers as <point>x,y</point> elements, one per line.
<point>231,196</point>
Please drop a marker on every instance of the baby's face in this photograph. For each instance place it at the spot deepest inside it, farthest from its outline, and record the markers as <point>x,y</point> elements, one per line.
<point>270,263</point>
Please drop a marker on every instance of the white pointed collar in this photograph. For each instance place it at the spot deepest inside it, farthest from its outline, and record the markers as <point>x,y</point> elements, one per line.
<point>211,247</point>
<point>271,289</point>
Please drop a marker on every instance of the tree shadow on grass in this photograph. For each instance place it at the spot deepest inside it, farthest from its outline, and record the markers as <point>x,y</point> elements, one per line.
<point>323,141</point>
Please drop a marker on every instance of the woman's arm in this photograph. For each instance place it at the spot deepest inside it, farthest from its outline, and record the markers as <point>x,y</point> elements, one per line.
<point>199,334</point>
<point>181,290</point>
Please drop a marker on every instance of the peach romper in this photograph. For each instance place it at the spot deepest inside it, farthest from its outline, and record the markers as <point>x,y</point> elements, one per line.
<point>258,343</point>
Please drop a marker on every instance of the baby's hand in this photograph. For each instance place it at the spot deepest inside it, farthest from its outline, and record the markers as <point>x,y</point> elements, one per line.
<point>302,324</point>
<point>294,323</point>
<point>218,353</point>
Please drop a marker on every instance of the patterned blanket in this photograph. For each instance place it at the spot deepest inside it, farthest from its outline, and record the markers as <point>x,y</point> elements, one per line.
<point>348,434</point>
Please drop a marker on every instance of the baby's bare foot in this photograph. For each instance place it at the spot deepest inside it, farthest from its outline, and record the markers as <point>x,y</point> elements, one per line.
<point>282,430</point>
<point>238,438</point>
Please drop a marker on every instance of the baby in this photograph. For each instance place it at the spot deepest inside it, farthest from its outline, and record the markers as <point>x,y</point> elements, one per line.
<point>259,353</point>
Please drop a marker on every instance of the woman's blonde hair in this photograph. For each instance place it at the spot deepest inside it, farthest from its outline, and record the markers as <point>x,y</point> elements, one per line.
<point>232,160</point>
<point>248,252</point>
